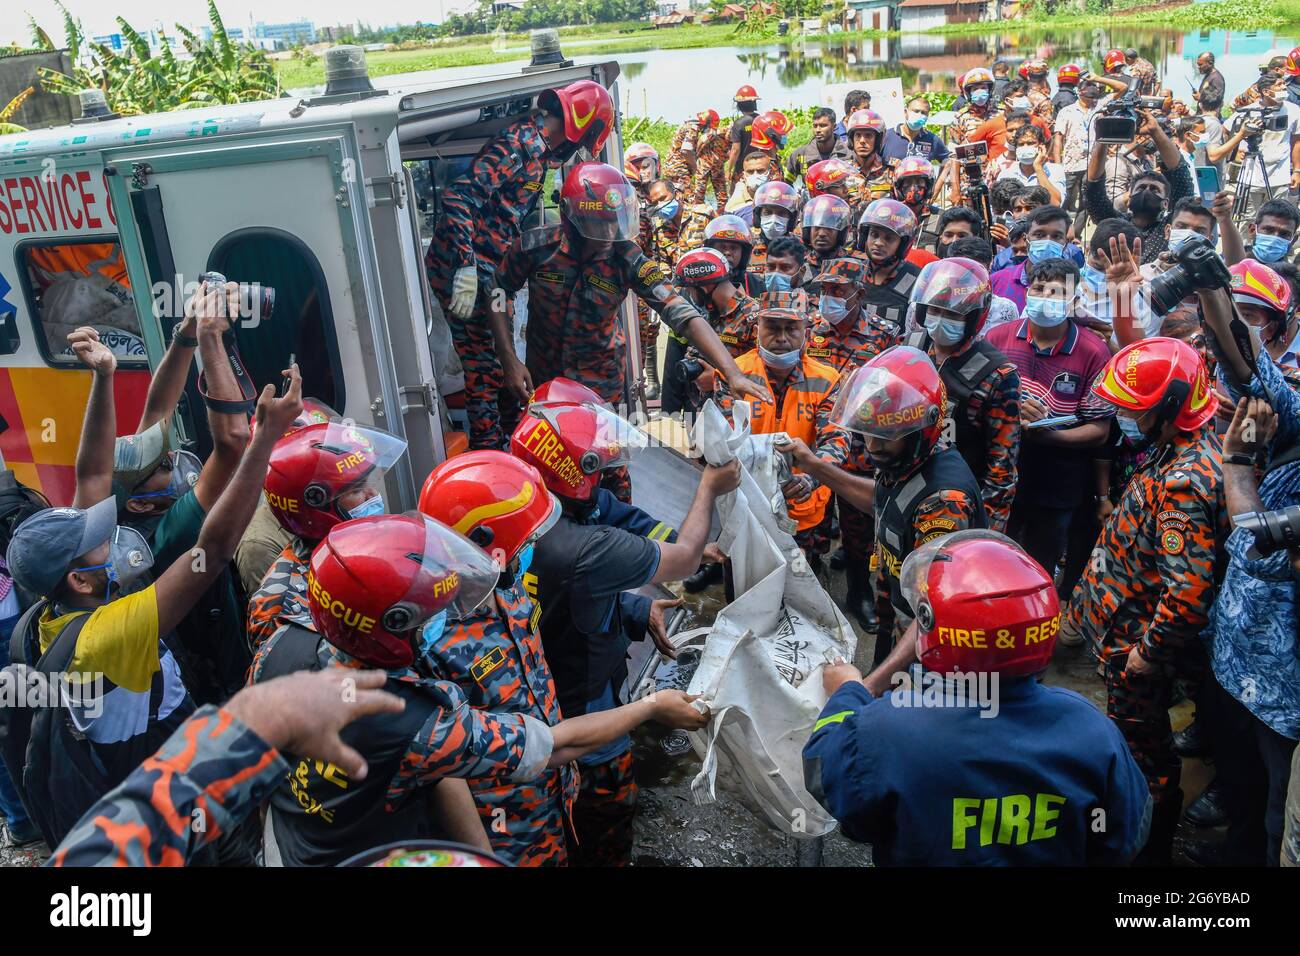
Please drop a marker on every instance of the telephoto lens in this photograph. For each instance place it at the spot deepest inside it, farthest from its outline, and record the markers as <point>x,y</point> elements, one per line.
<point>256,301</point>
<point>1272,530</point>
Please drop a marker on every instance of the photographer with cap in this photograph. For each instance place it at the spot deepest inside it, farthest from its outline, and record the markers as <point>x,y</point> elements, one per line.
<point>1152,194</point>
<point>102,625</point>
<point>1253,623</point>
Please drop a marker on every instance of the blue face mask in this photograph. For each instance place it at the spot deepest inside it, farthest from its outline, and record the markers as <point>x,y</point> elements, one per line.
<point>668,210</point>
<point>1270,248</point>
<point>834,309</point>
<point>1040,249</point>
<point>1132,432</point>
<point>777,282</point>
<point>979,97</point>
<point>1094,277</point>
<point>371,506</point>
<point>432,633</point>
<point>1045,312</point>
<point>945,331</point>
<point>916,121</point>
<point>780,359</point>
<point>525,559</point>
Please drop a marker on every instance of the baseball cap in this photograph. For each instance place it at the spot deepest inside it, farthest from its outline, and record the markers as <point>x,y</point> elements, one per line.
<point>46,544</point>
<point>136,456</point>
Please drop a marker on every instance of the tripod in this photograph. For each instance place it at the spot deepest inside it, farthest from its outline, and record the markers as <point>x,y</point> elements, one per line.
<point>1241,203</point>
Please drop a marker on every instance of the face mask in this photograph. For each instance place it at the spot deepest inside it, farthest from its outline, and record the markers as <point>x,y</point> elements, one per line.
<point>525,559</point>
<point>1132,432</point>
<point>1040,249</point>
<point>129,559</point>
<point>916,121</point>
<point>1146,202</point>
<point>1270,248</point>
<point>834,309</point>
<point>777,282</point>
<point>781,359</point>
<point>1026,154</point>
<point>432,633</point>
<point>1045,312</point>
<point>1204,141</point>
<point>1178,236</point>
<point>1094,277</point>
<point>941,249</point>
<point>371,506</point>
<point>184,474</point>
<point>668,210</point>
<point>945,331</point>
<point>774,224</point>
<point>754,180</point>
<point>979,97</point>
<point>913,195</point>
<point>1020,103</point>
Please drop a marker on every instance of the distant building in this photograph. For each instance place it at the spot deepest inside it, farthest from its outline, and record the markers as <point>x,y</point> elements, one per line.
<point>271,36</point>
<point>871,15</point>
<point>154,37</point>
<point>506,6</point>
<point>915,15</point>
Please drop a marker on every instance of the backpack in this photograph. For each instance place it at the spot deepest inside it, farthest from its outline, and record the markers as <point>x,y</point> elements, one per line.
<point>17,504</point>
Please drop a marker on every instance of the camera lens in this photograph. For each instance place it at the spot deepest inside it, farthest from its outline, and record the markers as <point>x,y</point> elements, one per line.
<point>1169,288</point>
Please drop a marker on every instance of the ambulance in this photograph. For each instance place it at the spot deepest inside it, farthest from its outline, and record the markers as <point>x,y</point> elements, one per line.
<point>328,199</point>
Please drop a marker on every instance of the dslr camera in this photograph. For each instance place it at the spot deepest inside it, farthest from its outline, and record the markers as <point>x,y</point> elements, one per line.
<point>1196,266</point>
<point>971,158</point>
<point>1272,530</point>
<point>255,300</point>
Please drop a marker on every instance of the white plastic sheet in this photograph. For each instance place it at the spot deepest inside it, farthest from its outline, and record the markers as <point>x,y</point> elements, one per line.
<point>760,671</point>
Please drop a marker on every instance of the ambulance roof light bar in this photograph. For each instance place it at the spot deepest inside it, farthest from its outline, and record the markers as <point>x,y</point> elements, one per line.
<point>545,47</point>
<point>346,76</point>
<point>94,107</point>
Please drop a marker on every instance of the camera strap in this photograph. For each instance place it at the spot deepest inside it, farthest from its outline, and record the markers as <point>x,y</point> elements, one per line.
<point>242,378</point>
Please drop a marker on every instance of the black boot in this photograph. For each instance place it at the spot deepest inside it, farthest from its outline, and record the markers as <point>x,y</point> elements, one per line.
<point>1191,742</point>
<point>858,599</point>
<point>1207,810</point>
<point>1207,853</point>
<point>708,574</point>
<point>650,366</point>
<point>1159,850</point>
<point>838,560</point>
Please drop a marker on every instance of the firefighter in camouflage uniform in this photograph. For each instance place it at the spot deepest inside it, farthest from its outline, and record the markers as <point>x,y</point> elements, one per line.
<point>682,164</point>
<point>483,212</point>
<point>1145,596</point>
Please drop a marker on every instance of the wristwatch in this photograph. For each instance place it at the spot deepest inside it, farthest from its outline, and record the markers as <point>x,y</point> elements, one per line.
<point>1239,458</point>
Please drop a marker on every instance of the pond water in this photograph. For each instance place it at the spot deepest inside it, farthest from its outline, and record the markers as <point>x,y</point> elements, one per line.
<point>672,84</point>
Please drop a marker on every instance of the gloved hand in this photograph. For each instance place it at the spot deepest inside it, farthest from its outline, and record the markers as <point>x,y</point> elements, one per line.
<point>464,291</point>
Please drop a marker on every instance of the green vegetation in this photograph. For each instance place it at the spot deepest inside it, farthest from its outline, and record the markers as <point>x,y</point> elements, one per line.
<point>1221,15</point>
<point>136,81</point>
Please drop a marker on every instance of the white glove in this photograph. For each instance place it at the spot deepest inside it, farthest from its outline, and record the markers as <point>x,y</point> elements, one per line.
<point>464,291</point>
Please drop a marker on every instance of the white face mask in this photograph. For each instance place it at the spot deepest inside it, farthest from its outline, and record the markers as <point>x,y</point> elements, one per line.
<point>754,180</point>
<point>1026,154</point>
<point>774,224</point>
<point>1178,236</point>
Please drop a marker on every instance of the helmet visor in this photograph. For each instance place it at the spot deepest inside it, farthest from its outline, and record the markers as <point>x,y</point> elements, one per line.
<point>830,215</point>
<point>455,574</point>
<point>598,437</point>
<point>605,213</point>
<point>880,404</point>
<point>353,457</point>
<point>914,578</point>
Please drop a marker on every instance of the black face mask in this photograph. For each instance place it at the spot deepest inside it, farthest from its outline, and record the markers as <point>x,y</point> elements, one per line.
<point>941,249</point>
<point>1147,203</point>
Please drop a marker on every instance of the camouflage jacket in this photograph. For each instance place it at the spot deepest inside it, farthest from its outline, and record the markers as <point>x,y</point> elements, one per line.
<point>212,768</point>
<point>1152,575</point>
<point>495,657</point>
<point>483,210</point>
<point>670,240</point>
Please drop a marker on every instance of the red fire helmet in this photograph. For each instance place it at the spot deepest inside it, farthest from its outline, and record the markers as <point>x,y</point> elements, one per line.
<point>769,130</point>
<point>746,94</point>
<point>827,173</point>
<point>1069,74</point>
<point>703,266</point>
<point>312,468</point>
<point>495,500</point>
<point>1159,373</point>
<point>373,583</point>
<point>588,113</point>
<point>981,604</point>
<point>894,395</point>
<point>314,411</point>
<point>1113,61</point>
<point>777,195</point>
<point>830,212</point>
<point>641,163</point>
<point>892,215</point>
<point>707,119</point>
<point>572,444</point>
<point>957,285</point>
<point>866,120</point>
<point>1254,283</point>
<point>1293,62</point>
<point>599,203</point>
<point>564,391</point>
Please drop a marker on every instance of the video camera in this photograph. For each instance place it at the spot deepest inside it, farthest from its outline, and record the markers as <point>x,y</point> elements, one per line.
<point>1272,530</point>
<point>1118,121</point>
<point>971,158</point>
<point>1264,119</point>
<point>1196,266</point>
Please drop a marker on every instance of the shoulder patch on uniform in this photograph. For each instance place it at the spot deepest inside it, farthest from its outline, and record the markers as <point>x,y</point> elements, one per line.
<point>492,661</point>
<point>1172,542</point>
<point>651,273</point>
<point>941,525</point>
